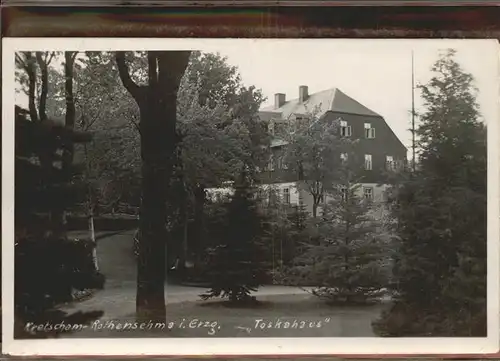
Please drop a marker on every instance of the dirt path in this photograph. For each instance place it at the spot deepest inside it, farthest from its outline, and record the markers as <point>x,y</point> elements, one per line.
<point>117,300</point>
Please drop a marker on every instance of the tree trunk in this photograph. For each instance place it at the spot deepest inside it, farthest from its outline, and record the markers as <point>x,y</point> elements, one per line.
<point>92,238</point>
<point>315,206</point>
<point>156,169</point>
<point>199,211</point>
<point>185,236</point>
<point>42,63</point>
<point>90,205</point>
<point>157,104</point>
<point>31,70</point>
<point>183,221</point>
<point>59,215</point>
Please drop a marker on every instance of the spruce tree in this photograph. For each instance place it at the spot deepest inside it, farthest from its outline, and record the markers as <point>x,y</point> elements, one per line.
<point>345,263</point>
<point>440,270</point>
<point>48,265</point>
<point>239,265</point>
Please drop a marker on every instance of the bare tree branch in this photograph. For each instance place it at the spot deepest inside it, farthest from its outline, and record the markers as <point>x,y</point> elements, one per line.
<point>128,83</point>
<point>48,58</point>
<point>20,61</point>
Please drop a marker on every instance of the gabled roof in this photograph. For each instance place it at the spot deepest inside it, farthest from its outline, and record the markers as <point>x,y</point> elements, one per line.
<point>323,101</point>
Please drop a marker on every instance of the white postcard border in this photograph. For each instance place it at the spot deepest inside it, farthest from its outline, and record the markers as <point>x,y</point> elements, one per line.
<point>224,346</point>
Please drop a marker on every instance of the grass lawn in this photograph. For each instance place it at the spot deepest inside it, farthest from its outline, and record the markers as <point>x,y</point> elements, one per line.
<point>275,316</point>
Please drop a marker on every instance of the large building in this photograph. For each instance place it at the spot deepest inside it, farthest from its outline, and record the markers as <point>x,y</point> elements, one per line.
<point>377,143</point>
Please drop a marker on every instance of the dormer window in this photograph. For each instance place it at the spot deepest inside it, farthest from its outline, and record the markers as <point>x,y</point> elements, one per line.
<point>369,131</point>
<point>345,130</point>
<point>271,128</point>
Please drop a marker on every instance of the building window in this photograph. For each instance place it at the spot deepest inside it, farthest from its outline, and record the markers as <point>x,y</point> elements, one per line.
<point>389,162</point>
<point>369,131</point>
<point>270,165</point>
<point>343,193</point>
<point>286,195</point>
<point>283,163</point>
<point>343,157</point>
<point>368,161</point>
<point>368,193</point>
<point>345,130</point>
<point>279,163</point>
<point>271,128</point>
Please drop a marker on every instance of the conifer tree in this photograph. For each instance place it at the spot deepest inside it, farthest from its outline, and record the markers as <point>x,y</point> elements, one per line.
<point>440,270</point>
<point>345,263</point>
<point>48,265</point>
<point>239,265</point>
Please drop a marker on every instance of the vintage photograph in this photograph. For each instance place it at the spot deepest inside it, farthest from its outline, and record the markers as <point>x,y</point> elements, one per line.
<point>251,189</point>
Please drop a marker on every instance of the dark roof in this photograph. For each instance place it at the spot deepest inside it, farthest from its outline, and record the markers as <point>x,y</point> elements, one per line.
<point>323,101</point>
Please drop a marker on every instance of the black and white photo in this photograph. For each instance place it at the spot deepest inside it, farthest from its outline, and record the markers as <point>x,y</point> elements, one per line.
<point>250,196</point>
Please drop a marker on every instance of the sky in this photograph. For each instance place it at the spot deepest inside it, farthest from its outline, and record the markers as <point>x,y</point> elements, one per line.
<point>376,73</point>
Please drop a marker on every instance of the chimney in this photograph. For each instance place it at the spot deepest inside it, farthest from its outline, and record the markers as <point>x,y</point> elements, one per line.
<point>303,93</point>
<point>279,100</point>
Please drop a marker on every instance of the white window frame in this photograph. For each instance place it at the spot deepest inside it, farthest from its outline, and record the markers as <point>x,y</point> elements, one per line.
<point>368,191</point>
<point>286,195</point>
<point>368,162</point>
<point>372,133</point>
<point>344,192</point>
<point>389,162</point>
<point>369,131</point>
<point>279,163</point>
<point>271,128</point>
<point>283,163</point>
<point>270,165</point>
<point>345,130</point>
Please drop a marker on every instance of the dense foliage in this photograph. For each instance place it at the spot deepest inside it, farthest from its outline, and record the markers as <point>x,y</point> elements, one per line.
<point>239,264</point>
<point>345,260</point>
<point>314,154</point>
<point>440,269</point>
<point>49,266</point>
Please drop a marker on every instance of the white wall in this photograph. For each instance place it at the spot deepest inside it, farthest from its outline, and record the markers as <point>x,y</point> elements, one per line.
<point>379,209</point>
<point>277,187</point>
<point>214,193</point>
<point>298,196</point>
